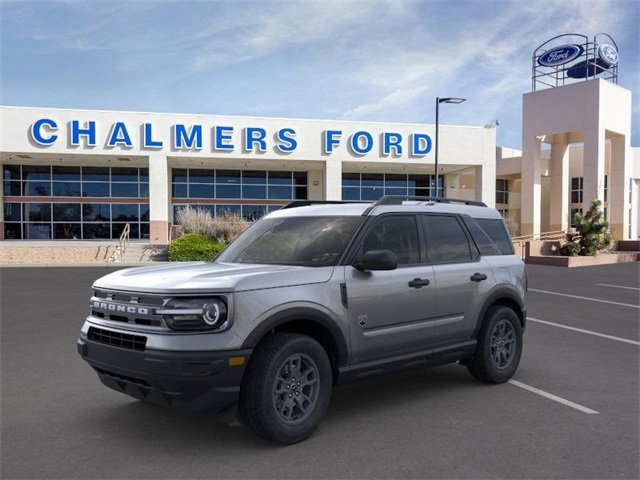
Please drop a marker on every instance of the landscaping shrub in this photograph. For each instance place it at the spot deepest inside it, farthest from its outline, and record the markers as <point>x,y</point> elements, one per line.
<point>194,247</point>
<point>592,233</point>
<point>225,227</point>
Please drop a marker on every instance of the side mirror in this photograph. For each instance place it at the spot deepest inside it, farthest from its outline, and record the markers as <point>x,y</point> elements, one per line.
<point>377,260</point>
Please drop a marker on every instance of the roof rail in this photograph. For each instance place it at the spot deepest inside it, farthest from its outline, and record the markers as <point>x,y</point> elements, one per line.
<point>306,203</point>
<point>398,199</point>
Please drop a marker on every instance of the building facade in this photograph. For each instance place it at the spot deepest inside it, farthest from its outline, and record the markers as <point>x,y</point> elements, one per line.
<point>85,174</point>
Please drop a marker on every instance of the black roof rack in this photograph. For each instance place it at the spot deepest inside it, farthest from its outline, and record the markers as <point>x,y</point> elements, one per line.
<point>398,199</point>
<point>306,203</point>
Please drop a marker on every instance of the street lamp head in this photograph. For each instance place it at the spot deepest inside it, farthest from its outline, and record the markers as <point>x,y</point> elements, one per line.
<point>451,100</point>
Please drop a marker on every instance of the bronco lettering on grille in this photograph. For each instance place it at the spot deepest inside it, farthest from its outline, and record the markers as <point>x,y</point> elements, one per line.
<point>115,307</point>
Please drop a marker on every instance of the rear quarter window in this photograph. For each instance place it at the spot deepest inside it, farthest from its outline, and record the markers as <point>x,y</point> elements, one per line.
<point>497,232</point>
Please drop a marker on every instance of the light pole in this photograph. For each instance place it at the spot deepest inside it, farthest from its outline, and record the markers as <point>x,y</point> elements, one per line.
<point>438,102</point>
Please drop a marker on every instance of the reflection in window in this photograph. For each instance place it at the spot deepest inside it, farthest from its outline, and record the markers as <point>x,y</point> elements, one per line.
<point>447,241</point>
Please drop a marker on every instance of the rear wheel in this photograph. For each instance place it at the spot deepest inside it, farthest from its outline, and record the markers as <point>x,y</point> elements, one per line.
<point>499,346</point>
<point>286,389</point>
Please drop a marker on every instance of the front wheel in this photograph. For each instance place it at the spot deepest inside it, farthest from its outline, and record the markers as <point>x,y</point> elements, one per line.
<point>499,346</point>
<point>286,389</point>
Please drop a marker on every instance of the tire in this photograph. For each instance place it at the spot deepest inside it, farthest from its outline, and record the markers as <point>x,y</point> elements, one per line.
<point>286,389</point>
<point>499,346</point>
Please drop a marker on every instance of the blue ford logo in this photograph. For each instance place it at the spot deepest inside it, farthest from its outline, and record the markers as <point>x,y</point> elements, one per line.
<point>608,54</point>
<point>560,55</point>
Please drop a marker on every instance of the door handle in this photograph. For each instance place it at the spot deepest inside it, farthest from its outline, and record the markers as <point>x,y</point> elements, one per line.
<point>418,283</point>
<point>478,277</point>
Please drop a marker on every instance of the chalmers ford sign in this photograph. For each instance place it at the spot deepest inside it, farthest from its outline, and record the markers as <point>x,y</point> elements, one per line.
<point>45,132</point>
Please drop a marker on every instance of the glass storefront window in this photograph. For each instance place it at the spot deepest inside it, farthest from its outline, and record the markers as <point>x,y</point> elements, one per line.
<point>124,212</point>
<point>38,188</point>
<point>197,190</point>
<point>124,174</point>
<point>254,191</point>
<point>95,174</point>
<point>13,231</point>
<point>254,177</point>
<point>38,231</point>
<point>127,190</point>
<point>95,189</point>
<point>12,212</point>
<point>67,231</point>
<point>227,176</point>
<point>100,212</point>
<point>227,191</point>
<point>280,178</point>
<point>66,212</point>
<point>38,212</point>
<point>66,174</point>
<point>66,189</point>
<point>201,176</point>
<point>32,172</point>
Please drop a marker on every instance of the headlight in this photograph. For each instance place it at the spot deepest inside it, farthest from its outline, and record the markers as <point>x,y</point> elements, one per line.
<point>195,314</point>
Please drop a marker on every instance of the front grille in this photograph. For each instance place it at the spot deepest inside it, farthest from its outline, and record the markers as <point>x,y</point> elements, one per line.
<point>117,339</point>
<point>127,308</point>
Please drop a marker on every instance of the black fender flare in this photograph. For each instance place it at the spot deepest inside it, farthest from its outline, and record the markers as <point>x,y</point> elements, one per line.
<point>307,314</point>
<point>499,293</point>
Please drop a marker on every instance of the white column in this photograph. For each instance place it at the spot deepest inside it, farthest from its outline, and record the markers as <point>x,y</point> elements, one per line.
<point>559,198</point>
<point>531,186</point>
<point>593,166</point>
<point>620,187</point>
<point>333,179</point>
<point>159,199</point>
<point>485,187</point>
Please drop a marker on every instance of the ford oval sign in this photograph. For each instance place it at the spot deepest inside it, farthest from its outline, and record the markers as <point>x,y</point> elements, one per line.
<point>608,54</point>
<point>560,55</point>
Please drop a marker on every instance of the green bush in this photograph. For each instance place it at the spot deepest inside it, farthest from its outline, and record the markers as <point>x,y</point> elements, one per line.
<point>194,247</point>
<point>592,233</point>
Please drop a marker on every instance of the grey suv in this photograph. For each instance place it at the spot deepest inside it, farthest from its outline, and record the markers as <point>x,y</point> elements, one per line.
<point>309,297</point>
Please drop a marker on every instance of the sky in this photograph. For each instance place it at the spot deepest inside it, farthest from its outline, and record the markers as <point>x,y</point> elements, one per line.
<point>359,60</point>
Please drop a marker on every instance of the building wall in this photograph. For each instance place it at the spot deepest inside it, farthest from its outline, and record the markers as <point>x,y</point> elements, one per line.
<point>159,145</point>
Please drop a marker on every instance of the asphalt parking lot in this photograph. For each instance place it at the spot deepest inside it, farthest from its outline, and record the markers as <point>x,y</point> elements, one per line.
<point>571,411</point>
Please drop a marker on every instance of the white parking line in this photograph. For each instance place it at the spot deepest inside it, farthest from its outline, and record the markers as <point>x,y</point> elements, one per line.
<point>589,332</point>
<point>555,398</point>
<point>616,286</point>
<point>585,298</point>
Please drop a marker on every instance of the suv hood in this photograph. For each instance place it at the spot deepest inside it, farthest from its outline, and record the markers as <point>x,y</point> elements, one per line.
<point>203,277</point>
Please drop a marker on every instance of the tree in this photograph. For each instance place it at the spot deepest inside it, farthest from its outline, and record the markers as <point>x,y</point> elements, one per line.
<point>592,233</point>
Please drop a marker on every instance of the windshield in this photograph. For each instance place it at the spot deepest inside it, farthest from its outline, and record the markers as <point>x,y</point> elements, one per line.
<point>307,241</point>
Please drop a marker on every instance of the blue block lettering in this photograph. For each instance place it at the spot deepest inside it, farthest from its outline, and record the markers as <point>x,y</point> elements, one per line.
<point>89,132</point>
<point>147,139</point>
<point>286,141</point>
<point>253,136</point>
<point>187,139</point>
<point>119,135</point>
<point>331,140</point>
<point>421,144</point>
<point>223,137</point>
<point>392,140</point>
<point>38,135</point>
<point>361,142</point>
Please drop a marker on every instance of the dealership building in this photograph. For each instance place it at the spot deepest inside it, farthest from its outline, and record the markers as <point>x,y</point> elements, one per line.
<point>85,174</point>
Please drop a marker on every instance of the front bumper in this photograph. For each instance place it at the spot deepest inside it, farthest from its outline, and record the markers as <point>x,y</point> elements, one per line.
<point>191,381</point>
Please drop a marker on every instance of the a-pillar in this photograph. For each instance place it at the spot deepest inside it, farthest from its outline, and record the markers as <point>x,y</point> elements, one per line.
<point>559,173</point>
<point>158,199</point>
<point>531,186</point>
<point>619,186</point>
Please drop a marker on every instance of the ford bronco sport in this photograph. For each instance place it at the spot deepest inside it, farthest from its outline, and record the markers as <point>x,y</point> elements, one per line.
<point>309,297</point>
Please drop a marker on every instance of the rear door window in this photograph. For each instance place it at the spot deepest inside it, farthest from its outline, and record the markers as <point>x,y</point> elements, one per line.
<point>447,240</point>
